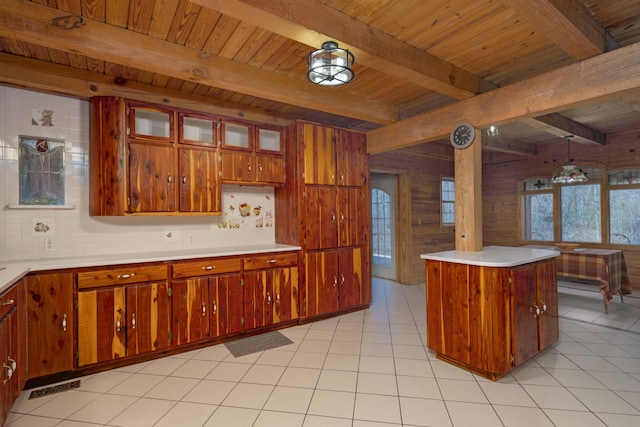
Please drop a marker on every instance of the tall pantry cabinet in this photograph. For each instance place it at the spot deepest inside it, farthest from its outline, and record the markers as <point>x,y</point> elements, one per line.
<point>327,207</point>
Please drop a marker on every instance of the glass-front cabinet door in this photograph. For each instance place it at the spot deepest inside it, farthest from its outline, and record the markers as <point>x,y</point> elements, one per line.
<point>236,135</point>
<point>197,130</point>
<point>269,140</point>
<point>150,123</point>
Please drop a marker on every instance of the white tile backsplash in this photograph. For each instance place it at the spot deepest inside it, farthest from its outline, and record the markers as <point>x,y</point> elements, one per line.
<point>77,233</point>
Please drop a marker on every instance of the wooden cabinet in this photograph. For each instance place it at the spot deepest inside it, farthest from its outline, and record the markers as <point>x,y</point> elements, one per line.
<point>206,299</point>
<point>335,280</point>
<point>252,154</point>
<point>140,165</point>
<point>12,349</point>
<point>334,222</point>
<point>270,289</point>
<point>122,312</point>
<point>50,315</point>
<point>491,319</point>
<point>333,156</point>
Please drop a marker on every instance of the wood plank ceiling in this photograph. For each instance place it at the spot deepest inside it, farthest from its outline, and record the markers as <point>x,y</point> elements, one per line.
<point>420,66</point>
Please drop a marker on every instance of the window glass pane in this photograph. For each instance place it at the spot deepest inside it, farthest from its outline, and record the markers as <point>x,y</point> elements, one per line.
<point>624,216</point>
<point>538,217</point>
<point>581,213</point>
<point>381,227</point>
<point>448,205</point>
<point>625,177</point>
<point>537,184</point>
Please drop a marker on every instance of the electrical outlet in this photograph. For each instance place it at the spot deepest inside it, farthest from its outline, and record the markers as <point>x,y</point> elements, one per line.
<point>49,244</point>
<point>191,239</point>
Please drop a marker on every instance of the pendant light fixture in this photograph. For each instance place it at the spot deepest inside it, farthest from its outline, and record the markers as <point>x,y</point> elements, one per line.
<point>330,65</point>
<point>570,173</point>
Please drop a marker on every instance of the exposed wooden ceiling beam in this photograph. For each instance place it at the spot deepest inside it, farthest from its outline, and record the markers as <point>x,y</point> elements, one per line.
<point>33,23</point>
<point>501,145</point>
<point>559,125</point>
<point>567,23</point>
<point>311,22</point>
<point>52,78</point>
<point>605,76</point>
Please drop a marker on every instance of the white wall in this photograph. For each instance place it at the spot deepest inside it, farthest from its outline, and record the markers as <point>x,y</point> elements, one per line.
<point>74,232</point>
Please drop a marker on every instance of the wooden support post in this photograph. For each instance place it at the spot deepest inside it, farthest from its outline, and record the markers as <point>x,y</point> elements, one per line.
<point>468,188</point>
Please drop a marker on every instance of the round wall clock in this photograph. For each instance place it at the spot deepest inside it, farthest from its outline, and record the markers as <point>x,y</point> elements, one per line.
<point>462,135</point>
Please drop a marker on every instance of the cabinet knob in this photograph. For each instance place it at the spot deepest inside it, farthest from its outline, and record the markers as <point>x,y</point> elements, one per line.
<point>271,261</point>
<point>278,297</point>
<point>118,324</point>
<point>342,279</point>
<point>204,309</point>
<point>341,217</point>
<point>249,167</point>
<point>64,323</point>
<point>333,217</point>
<point>133,320</point>
<point>268,298</point>
<point>184,179</point>
<point>125,276</point>
<point>544,306</point>
<point>169,179</point>
<point>7,302</point>
<point>209,267</point>
<point>335,281</point>
<point>215,307</point>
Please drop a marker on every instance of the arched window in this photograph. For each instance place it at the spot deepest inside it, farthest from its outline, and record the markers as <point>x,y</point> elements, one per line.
<point>381,227</point>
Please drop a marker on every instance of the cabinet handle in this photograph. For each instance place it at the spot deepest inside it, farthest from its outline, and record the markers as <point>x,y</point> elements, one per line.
<point>125,276</point>
<point>249,167</point>
<point>341,217</point>
<point>209,267</point>
<point>9,373</point>
<point>118,324</point>
<point>204,309</point>
<point>341,177</point>
<point>333,217</point>
<point>184,179</point>
<point>544,306</point>
<point>169,179</point>
<point>7,302</point>
<point>271,261</point>
<point>341,279</point>
<point>133,320</point>
<point>268,298</point>
<point>64,323</point>
<point>537,310</point>
<point>215,307</point>
<point>335,281</point>
<point>260,167</point>
<point>278,297</point>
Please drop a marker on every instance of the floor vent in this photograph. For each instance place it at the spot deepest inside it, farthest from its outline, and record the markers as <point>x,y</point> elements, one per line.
<point>54,389</point>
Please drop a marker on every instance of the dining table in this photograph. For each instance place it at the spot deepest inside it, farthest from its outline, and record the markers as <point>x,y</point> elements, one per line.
<point>606,267</point>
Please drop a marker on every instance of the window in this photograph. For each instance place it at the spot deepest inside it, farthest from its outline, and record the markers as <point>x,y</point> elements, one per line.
<point>448,201</point>
<point>624,207</point>
<point>537,199</point>
<point>381,227</point>
<point>579,212</point>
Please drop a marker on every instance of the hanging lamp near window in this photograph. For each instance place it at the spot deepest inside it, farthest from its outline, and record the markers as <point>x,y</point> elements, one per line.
<point>330,65</point>
<point>570,173</point>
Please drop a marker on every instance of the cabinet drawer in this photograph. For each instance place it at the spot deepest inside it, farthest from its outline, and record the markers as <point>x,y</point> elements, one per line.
<point>121,276</point>
<point>206,267</point>
<point>8,300</point>
<point>270,261</point>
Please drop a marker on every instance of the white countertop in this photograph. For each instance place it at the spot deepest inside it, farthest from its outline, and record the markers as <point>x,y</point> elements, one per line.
<point>14,270</point>
<point>494,256</point>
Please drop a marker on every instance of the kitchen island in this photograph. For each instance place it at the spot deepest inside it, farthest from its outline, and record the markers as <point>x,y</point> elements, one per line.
<point>492,310</point>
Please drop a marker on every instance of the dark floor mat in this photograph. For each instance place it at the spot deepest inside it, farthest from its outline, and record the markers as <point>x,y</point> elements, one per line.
<point>54,389</point>
<point>257,343</point>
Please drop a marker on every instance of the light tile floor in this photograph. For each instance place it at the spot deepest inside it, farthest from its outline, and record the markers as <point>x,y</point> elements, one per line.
<point>370,369</point>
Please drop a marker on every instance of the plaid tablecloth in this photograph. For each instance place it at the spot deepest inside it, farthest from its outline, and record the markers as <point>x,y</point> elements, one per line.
<point>607,266</point>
